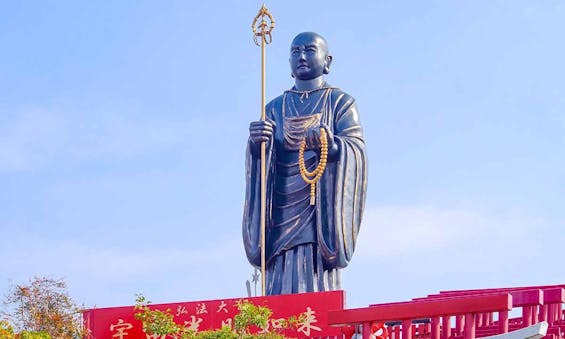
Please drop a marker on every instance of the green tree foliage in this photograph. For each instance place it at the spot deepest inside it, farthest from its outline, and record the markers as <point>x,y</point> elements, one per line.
<point>43,309</point>
<point>34,335</point>
<point>250,315</point>
<point>157,322</point>
<point>6,330</point>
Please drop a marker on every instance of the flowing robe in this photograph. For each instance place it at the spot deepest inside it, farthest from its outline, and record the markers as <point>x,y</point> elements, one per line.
<point>307,245</point>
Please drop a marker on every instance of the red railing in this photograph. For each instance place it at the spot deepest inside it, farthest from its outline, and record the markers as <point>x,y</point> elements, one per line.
<point>464,313</point>
<point>527,300</point>
<point>537,303</point>
<point>439,311</point>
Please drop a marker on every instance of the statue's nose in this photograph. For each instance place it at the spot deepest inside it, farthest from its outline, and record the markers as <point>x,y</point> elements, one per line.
<point>302,55</point>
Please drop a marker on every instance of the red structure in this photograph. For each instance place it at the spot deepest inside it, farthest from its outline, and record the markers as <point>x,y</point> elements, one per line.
<point>119,322</point>
<point>463,314</point>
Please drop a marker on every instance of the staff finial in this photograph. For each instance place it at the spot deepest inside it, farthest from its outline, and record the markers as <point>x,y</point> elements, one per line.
<point>264,27</point>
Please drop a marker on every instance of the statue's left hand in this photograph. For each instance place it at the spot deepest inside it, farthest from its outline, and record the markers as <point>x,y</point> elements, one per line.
<point>313,139</point>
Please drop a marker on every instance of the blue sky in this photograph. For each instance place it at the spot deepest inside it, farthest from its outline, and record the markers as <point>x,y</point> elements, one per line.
<point>123,128</point>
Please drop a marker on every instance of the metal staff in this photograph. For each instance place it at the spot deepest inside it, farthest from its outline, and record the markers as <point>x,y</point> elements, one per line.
<point>262,26</point>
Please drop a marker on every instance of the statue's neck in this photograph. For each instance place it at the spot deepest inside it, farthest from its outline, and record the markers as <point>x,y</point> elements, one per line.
<point>308,85</point>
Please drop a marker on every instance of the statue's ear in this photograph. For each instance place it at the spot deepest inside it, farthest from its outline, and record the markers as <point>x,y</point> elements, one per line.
<point>329,59</point>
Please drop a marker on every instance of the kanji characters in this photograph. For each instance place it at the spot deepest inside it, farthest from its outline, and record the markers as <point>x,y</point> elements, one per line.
<point>120,329</point>
<point>222,307</point>
<point>201,308</point>
<point>181,310</point>
<point>307,321</point>
<point>194,323</point>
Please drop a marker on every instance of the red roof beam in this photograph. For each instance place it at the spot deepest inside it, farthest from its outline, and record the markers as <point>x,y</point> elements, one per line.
<point>519,298</point>
<point>505,289</point>
<point>423,309</point>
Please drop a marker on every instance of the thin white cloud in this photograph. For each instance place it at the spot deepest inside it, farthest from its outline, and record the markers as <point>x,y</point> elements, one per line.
<point>32,138</point>
<point>389,231</point>
<point>29,139</point>
<point>111,276</point>
<point>117,264</point>
<point>407,251</point>
<point>124,137</point>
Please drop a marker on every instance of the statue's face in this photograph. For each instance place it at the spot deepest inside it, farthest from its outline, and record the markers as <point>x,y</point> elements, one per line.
<point>309,57</point>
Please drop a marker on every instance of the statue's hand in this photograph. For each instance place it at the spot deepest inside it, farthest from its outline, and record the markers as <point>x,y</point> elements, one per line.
<point>313,139</point>
<point>261,131</point>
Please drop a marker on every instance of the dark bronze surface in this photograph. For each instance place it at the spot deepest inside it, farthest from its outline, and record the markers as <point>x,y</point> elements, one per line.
<point>306,246</point>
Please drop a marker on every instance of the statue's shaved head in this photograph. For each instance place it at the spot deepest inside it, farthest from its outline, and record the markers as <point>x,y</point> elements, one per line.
<point>310,37</point>
<point>309,56</point>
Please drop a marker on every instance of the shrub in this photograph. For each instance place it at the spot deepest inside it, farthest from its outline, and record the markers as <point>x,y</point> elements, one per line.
<point>6,330</point>
<point>34,335</point>
<point>43,309</point>
<point>156,322</point>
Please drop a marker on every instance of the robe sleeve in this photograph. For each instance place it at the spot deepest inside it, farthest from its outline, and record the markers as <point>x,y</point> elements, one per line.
<point>251,226</point>
<point>342,188</point>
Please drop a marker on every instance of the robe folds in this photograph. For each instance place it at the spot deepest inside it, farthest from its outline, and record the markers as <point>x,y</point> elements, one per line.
<point>307,245</point>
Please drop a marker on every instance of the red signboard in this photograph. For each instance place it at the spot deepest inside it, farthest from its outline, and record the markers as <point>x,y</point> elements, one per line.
<point>119,322</point>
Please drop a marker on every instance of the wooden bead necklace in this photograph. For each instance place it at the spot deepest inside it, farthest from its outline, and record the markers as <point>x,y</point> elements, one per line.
<point>313,177</point>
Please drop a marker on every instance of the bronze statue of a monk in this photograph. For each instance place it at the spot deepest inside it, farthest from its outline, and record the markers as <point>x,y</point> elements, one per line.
<point>306,245</point>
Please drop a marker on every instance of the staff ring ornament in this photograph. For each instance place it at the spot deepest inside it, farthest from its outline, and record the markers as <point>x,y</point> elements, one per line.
<point>264,27</point>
